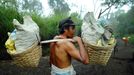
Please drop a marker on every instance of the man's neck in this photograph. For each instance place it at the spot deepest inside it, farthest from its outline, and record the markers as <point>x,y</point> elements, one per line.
<point>63,36</point>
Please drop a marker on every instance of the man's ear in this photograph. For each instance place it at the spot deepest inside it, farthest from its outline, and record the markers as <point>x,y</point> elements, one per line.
<point>65,30</point>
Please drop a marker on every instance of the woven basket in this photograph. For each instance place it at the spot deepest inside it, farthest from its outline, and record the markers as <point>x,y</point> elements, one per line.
<point>99,54</point>
<point>28,58</point>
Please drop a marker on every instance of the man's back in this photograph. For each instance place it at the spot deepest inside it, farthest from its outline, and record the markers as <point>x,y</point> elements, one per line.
<point>59,57</point>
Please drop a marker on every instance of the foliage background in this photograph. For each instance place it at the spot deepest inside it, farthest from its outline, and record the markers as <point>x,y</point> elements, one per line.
<point>121,22</point>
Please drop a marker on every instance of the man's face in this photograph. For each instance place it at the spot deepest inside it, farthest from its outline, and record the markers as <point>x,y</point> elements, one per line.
<point>71,32</point>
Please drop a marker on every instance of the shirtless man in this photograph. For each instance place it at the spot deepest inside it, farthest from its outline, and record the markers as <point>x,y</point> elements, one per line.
<point>62,52</point>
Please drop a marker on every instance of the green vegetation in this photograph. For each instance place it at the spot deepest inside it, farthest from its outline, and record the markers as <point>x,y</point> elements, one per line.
<point>48,25</point>
<point>131,39</point>
<point>7,16</point>
<point>121,22</point>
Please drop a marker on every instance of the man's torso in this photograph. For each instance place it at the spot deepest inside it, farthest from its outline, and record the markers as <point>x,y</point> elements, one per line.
<point>59,57</point>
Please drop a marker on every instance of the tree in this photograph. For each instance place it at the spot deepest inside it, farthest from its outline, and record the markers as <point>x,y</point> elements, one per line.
<point>59,6</point>
<point>115,22</point>
<point>117,3</point>
<point>9,3</point>
<point>126,22</point>
<point>31,6</point>
<point>23,5</point>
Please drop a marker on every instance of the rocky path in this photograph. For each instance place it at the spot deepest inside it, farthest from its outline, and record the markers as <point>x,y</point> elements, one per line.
<point>120,63</point>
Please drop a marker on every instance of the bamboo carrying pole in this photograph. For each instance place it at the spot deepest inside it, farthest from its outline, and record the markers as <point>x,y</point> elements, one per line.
<point>56,40</point>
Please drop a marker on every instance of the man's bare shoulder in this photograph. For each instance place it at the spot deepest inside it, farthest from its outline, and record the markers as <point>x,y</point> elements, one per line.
<point>65,44</point>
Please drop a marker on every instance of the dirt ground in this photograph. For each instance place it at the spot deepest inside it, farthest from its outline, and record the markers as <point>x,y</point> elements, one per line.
<point>120,63</point>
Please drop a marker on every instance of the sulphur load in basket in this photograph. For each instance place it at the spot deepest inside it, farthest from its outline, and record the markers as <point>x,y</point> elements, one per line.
<point>98,41</point>
<point>27,51</point>
<point>10,43</point>
<point>26,33</point>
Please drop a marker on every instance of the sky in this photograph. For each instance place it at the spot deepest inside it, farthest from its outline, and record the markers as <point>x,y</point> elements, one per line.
<point>83,6</point>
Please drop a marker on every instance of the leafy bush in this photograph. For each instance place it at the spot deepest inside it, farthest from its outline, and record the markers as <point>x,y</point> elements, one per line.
<point>6,17</point>
<point>131,39</point>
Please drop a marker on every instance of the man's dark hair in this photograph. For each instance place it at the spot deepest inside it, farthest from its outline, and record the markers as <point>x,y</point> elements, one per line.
<point>65,24</point>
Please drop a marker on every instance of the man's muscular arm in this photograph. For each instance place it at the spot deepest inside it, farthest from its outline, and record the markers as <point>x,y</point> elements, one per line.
<point>80,54</point>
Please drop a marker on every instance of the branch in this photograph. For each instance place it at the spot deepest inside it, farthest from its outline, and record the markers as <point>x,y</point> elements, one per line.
<point>101,12</point>
<point>108,13</point>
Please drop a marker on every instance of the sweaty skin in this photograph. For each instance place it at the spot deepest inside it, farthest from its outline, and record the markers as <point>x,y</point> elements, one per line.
<point>62,52</point>
<point>59,56</point>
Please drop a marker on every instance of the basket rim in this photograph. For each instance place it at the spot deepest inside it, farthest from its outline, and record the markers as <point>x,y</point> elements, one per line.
<point>101,47</point>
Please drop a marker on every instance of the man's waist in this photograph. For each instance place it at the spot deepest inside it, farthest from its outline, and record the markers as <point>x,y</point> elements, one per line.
<point>68,68</point>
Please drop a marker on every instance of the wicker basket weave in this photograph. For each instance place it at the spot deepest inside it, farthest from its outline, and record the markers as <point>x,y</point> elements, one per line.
<point>28,58</point>
<point>99,54</point>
